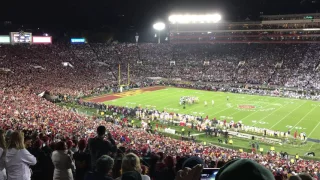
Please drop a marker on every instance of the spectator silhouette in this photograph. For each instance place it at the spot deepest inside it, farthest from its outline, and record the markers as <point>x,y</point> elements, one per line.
<point>48,165</point>
<point>39,169</point>
<point>98,146</point>
<point>82,160</point>
<point>244,169</point>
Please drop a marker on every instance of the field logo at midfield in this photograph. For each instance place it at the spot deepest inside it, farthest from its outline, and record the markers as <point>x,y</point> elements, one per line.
<point>246,106</point>
<point>253,107</point>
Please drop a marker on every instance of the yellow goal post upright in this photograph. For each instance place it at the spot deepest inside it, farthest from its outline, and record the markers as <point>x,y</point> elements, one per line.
<point>119,78</point>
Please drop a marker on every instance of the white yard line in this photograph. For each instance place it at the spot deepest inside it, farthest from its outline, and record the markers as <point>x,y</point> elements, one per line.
<point>259,111</point>
<point>273,111</point>
<point>280,120</point>
<point>304,117</point>
<point>168,106</point>
<point>313,129</point>
<point>197,134</point>
<point>311,146</point>
<point>237,111</point>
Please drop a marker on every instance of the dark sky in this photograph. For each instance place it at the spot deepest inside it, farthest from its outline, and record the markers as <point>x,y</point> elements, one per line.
<point>139,13</point>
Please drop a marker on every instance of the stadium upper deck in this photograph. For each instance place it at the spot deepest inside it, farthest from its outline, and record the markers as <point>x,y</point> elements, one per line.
<point>295,28</point>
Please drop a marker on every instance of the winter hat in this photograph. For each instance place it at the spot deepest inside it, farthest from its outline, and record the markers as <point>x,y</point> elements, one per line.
<point>192,161</point>
<point>244,169</point>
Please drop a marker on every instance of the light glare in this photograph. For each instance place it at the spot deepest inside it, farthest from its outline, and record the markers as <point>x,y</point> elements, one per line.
<point>185,19</point>
<point>159,26</point>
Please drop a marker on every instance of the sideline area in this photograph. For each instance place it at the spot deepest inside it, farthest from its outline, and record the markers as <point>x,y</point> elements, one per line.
<point>238,143</point>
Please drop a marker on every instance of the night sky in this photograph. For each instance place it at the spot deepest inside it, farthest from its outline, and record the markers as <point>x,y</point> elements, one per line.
<point>139,14</point>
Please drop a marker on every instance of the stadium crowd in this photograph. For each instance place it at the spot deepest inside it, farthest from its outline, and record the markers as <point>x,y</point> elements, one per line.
<point>61,144</point>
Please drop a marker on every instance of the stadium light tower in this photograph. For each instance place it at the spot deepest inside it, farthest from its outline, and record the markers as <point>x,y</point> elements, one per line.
<point>159,27</point>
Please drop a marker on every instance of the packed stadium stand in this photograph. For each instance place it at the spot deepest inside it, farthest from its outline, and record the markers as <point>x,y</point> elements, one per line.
<point>62,144</point>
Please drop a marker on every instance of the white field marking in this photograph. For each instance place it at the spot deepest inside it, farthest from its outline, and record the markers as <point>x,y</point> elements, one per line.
<point>195,107</point>
<point>238,111</point>
<point>311,146</point>
<point>272,112</point>
<point>196,134</point>
<point>313,129</point>
<point>258,111</point>
<point>160,99</point>
<point>209,107</point>
<point>303,118</point>
<point>229,108</point>
<point>145,99</point>
<point>287,115</point>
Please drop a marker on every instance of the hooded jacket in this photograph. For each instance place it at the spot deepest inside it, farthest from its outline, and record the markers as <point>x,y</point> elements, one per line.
<point>17,164</point>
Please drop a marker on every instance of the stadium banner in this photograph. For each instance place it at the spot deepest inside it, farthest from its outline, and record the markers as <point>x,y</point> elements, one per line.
<point>78,40</point>
<point>42,40</point>
<point>21,37</point>
<point>5,40</point>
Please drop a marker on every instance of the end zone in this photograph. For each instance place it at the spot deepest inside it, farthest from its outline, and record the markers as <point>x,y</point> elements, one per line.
<point>110,97</point>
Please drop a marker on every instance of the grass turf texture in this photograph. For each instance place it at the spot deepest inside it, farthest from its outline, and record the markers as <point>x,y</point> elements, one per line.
<point>261,111</point>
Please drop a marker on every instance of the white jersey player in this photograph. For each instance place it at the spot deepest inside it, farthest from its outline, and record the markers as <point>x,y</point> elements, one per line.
<point>212,102</point>
<point>205,103</point>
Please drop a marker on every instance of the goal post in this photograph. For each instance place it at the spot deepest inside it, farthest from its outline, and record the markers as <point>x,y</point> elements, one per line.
<point>119,76</point>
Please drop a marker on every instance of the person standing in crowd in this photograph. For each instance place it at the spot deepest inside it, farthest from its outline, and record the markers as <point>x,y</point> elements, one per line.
<point>48,164</point>
<point>98,146</point>
<point>104,166</point>
<point>18,159</point>
<point>38,170</point>
<point>3,175</point>
<point>63,163</point>
<point>82,160</point>
<point>131,167</point>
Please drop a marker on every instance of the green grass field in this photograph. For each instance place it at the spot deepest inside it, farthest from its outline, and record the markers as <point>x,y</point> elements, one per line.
<point>261,111</point>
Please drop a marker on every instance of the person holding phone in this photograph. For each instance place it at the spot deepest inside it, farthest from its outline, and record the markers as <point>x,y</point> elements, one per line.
<point>190,173</point>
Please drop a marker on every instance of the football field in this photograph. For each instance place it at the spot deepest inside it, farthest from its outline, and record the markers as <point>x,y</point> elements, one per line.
<point>274,113</point>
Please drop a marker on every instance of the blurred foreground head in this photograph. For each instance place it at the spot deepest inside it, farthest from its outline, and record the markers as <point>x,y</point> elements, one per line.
<point>244,169</point>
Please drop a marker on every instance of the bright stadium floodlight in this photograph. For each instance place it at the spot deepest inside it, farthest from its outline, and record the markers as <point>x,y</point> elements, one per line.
<point>185,19</point>
<point>159,27</point>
